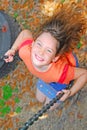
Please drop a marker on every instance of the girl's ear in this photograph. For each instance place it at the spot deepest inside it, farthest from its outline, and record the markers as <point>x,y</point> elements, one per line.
<point>56,58</point>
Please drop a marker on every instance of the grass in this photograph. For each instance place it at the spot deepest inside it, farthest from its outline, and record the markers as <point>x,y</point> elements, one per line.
<point>6,100</point>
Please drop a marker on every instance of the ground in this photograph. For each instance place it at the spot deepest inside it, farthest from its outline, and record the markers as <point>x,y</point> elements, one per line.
<point>72,115</point>
<point>19,104</point>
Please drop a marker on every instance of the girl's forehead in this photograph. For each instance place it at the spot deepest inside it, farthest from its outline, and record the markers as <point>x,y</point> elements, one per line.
<point>45,36</point>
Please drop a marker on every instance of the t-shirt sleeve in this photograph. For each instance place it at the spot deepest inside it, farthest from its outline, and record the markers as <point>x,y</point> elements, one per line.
<point>25,42</point>
<point>67,74</point>
<point>70,74</point>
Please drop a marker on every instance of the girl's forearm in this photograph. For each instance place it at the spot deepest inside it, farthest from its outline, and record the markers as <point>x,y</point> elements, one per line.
<point>79,84</point>
<point>22,36</point>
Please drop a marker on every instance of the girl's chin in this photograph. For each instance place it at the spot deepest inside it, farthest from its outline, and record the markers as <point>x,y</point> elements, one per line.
<point>37,65</point>
<point>37,62</point>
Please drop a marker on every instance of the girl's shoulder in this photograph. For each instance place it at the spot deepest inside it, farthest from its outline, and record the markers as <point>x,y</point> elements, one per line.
<point>26,42</point>
<point>72,59</point>
<point>69,58</point>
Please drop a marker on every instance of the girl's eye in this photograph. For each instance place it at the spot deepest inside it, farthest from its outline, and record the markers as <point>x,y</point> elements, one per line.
<point>50,51</point>
<point>39,44</point>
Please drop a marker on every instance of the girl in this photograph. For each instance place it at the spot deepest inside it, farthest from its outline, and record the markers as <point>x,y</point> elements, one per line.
<point>50,57</point>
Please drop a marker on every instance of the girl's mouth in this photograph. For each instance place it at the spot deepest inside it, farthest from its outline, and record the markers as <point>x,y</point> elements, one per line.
<point>39,58</point>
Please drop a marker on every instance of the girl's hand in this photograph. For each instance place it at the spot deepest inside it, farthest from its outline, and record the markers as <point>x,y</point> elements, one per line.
<point>66,94</point>
<point>10,53</point>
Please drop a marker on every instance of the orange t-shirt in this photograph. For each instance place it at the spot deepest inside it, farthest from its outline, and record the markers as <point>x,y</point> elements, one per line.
<point>61,71</point>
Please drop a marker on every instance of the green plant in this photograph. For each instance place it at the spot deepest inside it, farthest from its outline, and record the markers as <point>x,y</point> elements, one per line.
<point>2,103</point>
<point>7,96</point>
<point>4,110</point>
<point>7,92</point>
<point>18,109</point>
<point>62,1</point>
<point>17,100</point>
<point>79,44</point>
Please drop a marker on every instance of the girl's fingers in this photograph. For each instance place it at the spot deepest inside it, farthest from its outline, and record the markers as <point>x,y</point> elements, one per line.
<point>66,94</point>
<point>9,59</point>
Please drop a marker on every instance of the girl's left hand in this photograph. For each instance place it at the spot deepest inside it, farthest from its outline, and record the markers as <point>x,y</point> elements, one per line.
<point>66,94</point>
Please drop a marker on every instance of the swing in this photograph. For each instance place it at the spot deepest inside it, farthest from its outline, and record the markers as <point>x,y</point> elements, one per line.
<point>9,30</point>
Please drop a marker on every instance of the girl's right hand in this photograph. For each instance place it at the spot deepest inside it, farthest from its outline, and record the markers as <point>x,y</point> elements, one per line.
<point>10,55</point>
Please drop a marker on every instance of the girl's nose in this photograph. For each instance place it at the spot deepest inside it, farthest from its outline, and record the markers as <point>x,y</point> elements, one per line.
<point>42,51</point>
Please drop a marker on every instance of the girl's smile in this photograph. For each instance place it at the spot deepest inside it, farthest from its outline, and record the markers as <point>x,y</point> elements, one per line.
<point>39,58</point>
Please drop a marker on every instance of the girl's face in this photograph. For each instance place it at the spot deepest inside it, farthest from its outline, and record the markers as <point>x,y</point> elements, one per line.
<point>44,50</point>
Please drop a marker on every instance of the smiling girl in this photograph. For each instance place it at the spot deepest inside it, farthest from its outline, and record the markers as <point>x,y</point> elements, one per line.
<point>49,57</point>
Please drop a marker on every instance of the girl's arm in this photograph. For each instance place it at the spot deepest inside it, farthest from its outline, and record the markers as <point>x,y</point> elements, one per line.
<point>25,34</point>
<point>21,37</point>
<point>80,80</point>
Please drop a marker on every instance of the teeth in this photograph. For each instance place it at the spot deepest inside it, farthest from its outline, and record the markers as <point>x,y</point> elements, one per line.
<point>38,58</point>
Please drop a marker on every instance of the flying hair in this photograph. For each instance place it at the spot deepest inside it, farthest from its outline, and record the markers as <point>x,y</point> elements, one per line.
<point>67,26</point>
